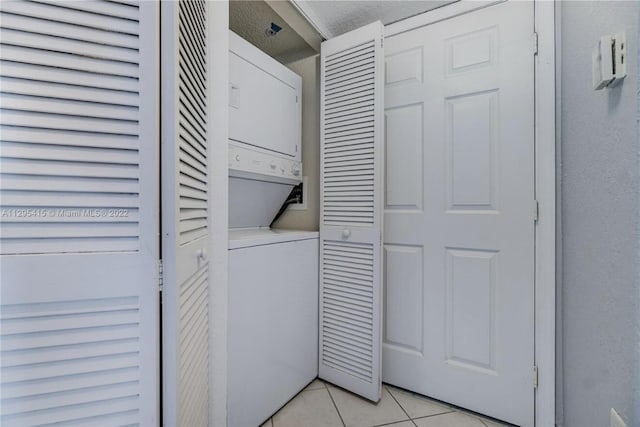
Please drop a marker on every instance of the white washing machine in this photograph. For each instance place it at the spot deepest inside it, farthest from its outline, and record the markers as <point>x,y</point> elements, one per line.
<point>273,320</point>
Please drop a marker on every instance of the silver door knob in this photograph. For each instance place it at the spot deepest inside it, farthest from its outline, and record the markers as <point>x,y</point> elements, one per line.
<point>346,233</point>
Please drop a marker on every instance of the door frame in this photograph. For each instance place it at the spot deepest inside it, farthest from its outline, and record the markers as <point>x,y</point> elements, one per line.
<point>218,128</point>
<point>545,186</point>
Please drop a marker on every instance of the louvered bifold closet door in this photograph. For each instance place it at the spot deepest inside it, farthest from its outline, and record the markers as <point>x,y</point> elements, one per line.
<point>185,212</point>
<point>79,151</point>
<point>351,210</point>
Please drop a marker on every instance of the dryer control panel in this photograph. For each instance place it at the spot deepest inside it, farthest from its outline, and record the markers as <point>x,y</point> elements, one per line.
<point>245,162</point>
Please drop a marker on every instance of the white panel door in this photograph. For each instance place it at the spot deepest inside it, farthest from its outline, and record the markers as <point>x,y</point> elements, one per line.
<point>351,135</point>
<point>185,212</point>
<point>79,213</point>
<point>459,212</point>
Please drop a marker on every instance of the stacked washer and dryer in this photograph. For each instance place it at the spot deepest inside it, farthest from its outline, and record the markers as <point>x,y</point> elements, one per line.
<point>273,274</point>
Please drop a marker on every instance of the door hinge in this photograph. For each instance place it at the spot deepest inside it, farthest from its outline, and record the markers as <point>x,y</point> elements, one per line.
<point>535,376</point>
<point>535,43</point>
<point>536,211</point>
<point>160,278</point>
<point>296,99</point>
<point>382,42</point>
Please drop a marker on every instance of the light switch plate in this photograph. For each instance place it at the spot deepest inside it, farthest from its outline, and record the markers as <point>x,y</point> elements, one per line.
<point>602,63</point>
<point>616,420</point>
<point>609,61</point>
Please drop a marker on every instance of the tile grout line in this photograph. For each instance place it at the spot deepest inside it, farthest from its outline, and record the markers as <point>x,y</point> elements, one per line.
<point>477,416</point>
<point>304,390</point>
<point>436,415</point>
<point>334,405</point>
<point>482,421</point>
<point>449,411</point>
<point>393,423</point>
<point>403,410</point>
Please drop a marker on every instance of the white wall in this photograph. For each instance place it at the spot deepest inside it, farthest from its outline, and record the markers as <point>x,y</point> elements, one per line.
<point>600,283</point>
<point>309,69</point>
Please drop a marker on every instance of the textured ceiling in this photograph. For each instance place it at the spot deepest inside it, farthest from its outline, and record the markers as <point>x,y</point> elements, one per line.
<point>333,18</point>
<point>250,20</point>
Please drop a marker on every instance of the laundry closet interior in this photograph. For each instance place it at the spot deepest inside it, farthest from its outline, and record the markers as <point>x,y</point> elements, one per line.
<point>274,268</point>
<point>420,161</point>
<point>355,203</point>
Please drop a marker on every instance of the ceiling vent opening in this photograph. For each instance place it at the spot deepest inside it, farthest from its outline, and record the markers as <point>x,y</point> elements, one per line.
<point>273,30</point>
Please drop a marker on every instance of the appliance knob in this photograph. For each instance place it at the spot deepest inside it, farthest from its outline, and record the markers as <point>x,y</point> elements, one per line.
<point>273,165</point>
<point>237,157</point>
<point>346,233</point>
<point>295,170</point>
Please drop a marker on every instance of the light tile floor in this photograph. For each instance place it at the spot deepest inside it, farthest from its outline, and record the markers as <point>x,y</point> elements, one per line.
<point>323,405</point>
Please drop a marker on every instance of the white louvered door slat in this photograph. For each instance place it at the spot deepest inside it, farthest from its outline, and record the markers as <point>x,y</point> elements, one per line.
<point>79,213</point>
<point>351,211</point>
<point>185,196</point>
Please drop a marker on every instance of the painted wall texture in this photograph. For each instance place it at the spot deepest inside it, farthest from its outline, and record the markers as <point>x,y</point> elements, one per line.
<point>600,221</point>
<point>309,69</point>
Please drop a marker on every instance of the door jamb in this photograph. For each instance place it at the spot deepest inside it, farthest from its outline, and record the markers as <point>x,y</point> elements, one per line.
<point>545,186</point>
<point>218,125</point>
<point>545,152</point>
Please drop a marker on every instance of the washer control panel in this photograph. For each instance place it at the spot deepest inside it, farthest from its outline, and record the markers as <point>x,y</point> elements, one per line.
<point>246,160</point>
